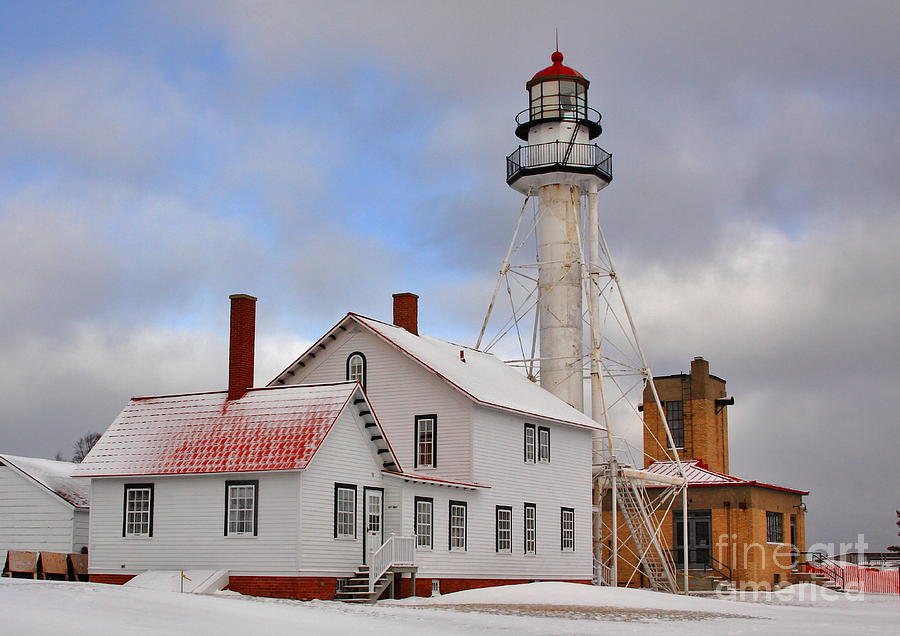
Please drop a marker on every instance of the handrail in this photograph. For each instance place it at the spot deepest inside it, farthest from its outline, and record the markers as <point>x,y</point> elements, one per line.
<point>577,112</point>
<point>822,562</point>
<point>395,552</point>
<point>724,570</point>
<point>559,153</point>
<point>602,573</point>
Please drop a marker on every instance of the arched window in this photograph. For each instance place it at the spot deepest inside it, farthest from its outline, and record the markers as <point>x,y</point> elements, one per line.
<point>356,368</point>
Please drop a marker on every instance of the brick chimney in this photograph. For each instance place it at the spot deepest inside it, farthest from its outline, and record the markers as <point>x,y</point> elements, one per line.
<point>406,312</point>
<point>242,344</point>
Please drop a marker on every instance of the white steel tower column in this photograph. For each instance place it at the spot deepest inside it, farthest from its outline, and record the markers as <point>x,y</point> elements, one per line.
<point>560,167</point>
<point>559,292</point>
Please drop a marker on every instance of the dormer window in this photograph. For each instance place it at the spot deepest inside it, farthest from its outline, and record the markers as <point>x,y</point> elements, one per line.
<point>356,368</point>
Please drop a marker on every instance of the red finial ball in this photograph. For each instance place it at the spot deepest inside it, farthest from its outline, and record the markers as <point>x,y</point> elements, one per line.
<point>557,57</point>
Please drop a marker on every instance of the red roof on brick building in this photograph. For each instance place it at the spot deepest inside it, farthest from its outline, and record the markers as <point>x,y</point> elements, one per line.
<point>699,475</point>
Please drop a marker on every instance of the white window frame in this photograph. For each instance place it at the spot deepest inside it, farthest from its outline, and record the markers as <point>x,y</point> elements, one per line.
<point>504,525</point>
<point>138,521</point>
<point>530,521</point>
<point>344,511</point>
<point>543,444</point>
<point>567,529</point>
<point>356,372</point>
<point>424,522</point>
<point>426,441</point>
<point>459,517</point>
<point>530,442</point>
<point>240,510</point>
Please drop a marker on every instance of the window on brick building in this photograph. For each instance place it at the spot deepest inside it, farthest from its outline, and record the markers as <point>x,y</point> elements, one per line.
<point>774,527</point>
<point>675,419</point>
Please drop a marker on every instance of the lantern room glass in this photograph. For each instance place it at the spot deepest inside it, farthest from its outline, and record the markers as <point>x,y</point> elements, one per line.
<point>558,99</point>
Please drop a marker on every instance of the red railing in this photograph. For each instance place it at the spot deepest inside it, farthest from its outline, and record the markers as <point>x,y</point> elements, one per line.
<point>856,578</point>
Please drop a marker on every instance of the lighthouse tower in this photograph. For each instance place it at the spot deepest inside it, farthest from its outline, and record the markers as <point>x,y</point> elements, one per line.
<point>560,166</point>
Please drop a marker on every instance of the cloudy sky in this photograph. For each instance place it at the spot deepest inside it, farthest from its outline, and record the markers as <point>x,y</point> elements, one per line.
<point>156,157</point>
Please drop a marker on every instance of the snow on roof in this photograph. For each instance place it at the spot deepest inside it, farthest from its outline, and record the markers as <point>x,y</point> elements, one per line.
<point>54,476</point>
<point>267,429</point>
<point>481,376</point>
<point>699,475</point>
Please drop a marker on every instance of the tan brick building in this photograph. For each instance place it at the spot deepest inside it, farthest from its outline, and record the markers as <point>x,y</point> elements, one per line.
<point>738,529</point>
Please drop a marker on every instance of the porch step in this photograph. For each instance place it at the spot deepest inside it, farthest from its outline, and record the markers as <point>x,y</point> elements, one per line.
<point>816,578</point>
<point>704,582</point>
<point>356,589</point>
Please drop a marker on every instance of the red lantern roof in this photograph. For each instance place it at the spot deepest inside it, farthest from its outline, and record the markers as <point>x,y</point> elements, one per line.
<point>557,68</point>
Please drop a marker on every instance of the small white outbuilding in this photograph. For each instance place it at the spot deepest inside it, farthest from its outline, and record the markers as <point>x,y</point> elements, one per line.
<point>42,507</point>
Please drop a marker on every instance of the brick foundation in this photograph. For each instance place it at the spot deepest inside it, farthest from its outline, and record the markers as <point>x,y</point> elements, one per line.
<point>423,586</point>
<point>304,588</point>
<point>112,579</point>
<point>307,588</point>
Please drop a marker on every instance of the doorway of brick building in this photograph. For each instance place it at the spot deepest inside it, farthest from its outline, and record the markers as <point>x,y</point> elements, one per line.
<point>699,544</point>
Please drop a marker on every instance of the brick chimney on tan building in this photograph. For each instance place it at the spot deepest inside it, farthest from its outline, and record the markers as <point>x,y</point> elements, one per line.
<point>695,405</point>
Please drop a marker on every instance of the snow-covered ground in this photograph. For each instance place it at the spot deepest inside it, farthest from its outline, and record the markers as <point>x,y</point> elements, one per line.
<point>43,608</point>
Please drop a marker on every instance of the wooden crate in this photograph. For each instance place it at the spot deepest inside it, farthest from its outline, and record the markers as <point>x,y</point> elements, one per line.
<point>21,562</point>
<point>79,566</point>
<point>55,564</point>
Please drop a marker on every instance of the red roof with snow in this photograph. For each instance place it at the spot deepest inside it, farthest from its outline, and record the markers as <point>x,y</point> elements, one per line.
<point>267,429</point>
<point>699,475</point>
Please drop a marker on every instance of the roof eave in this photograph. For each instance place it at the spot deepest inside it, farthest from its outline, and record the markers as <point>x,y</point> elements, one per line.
<point>42,485</point>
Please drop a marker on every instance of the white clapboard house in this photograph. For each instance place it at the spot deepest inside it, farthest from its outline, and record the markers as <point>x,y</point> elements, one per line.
<point>378,451</point>
<point>42,507</point>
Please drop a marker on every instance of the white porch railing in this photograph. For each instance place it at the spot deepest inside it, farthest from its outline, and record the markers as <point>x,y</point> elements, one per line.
<point>602,573</point>
<point>395,552</point>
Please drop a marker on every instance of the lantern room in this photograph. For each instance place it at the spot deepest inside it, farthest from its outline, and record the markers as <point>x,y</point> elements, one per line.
<point>557,93</point>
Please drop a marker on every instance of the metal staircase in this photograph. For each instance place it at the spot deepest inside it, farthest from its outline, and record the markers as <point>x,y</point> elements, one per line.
<point>655,562</point>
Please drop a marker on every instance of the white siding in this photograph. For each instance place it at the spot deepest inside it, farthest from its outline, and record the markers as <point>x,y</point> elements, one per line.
<point>346,456</point>
<point>564,482</point>
<point>295,532</point>
<point>82,523</point>
<point>188,526</point>
<point>31,517</point>
<point>399,389</point>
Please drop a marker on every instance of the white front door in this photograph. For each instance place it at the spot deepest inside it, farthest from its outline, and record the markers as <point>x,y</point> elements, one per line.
<point>374,514</point>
